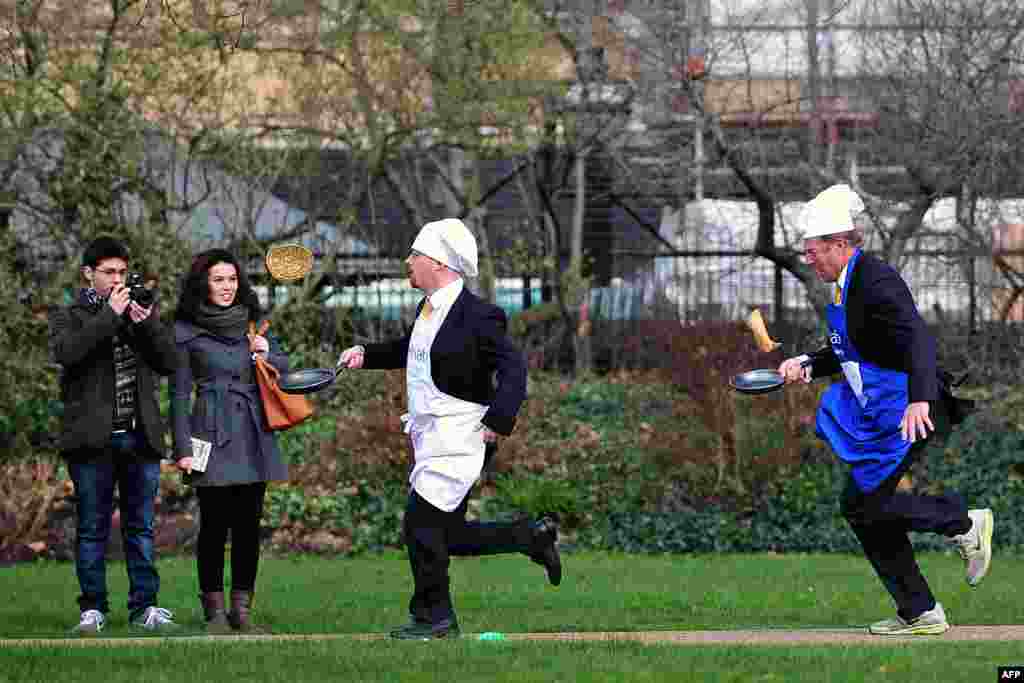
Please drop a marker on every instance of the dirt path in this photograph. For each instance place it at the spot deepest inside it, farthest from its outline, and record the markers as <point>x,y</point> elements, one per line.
<point>751,637</point>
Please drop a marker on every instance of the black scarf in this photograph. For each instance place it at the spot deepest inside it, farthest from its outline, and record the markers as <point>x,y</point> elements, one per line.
<point>230,323</point>
<point>91,300</point>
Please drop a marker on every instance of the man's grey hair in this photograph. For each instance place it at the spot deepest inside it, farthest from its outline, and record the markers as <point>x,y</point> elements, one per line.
<point>855,237</point>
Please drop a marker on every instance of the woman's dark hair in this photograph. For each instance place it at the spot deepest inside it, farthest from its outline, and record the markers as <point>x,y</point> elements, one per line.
<point>196,288</point>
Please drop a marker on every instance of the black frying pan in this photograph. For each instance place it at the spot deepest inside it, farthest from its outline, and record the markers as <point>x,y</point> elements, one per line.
<point>757,382</point>
<point>763,381</point>
<point>306,381</point>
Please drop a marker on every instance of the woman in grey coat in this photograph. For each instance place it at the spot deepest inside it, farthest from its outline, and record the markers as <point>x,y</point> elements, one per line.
<point>215,357</point>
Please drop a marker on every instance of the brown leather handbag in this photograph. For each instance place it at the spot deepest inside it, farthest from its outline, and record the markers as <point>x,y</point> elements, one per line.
<point>282,411</point>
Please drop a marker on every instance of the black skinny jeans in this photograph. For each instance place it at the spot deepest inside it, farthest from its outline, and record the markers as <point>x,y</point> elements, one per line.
<point>237,508</point>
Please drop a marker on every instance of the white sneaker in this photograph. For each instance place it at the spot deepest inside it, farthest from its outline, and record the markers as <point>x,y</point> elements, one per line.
<point>931,623</point>
<point>90,623</point>
<point>975,546</point>
<point>156,619</point>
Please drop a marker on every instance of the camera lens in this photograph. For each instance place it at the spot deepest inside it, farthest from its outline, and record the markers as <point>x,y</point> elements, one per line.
<point>138,292</point>
<point>143,296</point>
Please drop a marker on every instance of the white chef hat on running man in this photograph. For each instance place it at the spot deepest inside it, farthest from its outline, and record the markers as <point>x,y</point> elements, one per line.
<point>831,212</point>
<point>450,242</point>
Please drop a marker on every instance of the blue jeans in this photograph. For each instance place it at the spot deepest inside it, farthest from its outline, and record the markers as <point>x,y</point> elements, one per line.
<point>137,479</point>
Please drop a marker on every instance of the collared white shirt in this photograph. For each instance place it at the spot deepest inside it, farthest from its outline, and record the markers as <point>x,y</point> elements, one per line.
<point>424,396</point>
<point>446,433</point>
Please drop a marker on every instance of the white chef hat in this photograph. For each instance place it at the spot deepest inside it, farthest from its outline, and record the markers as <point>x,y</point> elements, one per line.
<point>831,212</point>
<point>450,242</point>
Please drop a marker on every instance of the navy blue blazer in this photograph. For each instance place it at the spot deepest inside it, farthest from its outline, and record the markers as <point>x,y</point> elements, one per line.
<point>886,328</point>
<point>472,359</point>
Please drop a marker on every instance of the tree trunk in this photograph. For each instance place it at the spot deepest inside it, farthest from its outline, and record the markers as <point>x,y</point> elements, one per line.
<point>813,155</point>
<point>458,198</point>
<point>579,289</point>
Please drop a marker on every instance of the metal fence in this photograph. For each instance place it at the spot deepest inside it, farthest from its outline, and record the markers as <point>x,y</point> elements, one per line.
<point>959,294</point>
<point>948,287</point>
<point>394,299</point>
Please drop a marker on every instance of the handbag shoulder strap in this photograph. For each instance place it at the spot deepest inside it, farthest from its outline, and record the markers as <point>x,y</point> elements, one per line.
<point>264,326</point>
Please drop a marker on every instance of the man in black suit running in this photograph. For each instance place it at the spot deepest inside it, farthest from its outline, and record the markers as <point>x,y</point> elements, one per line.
<point>878,418</point>
<point>465,384</point>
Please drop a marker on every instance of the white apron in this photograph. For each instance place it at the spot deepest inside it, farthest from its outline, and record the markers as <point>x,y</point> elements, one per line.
<point>446,433</point>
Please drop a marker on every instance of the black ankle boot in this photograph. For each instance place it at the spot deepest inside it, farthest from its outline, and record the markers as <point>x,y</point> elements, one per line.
<point>544,547</point>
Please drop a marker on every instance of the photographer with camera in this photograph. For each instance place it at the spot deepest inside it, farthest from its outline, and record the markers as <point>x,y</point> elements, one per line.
<point>112,349</point>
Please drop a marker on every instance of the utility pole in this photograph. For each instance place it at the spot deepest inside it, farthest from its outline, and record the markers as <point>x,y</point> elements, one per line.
<point>833,87</point>
<point>813,80</point>
<point>701,25</point>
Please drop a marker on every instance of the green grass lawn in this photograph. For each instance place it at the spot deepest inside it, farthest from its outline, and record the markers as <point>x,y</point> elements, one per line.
<point>470,660</point>
<point>309,595</point>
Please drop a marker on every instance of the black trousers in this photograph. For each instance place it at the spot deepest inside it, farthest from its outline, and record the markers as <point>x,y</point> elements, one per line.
<point>881,520</point>
<point>237,508</point>
<point>432,536</point>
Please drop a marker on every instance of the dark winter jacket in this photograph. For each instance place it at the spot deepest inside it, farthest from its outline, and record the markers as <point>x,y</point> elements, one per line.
<point>81,340</point>
<point>227,410</point>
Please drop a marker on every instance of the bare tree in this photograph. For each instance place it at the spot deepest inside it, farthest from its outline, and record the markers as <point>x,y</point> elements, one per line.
<point>906,100</point>
<point>941,76</point>
<point>111,119</point>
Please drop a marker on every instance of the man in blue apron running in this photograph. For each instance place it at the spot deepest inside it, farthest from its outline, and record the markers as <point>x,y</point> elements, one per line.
<point>879,417</point>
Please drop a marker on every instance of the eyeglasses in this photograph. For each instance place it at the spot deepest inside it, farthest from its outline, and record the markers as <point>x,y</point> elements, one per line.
<point>823,246</point>
<point>110,272</point>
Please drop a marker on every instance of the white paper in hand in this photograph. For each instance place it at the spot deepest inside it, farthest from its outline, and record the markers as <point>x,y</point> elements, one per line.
<point>200,454</point>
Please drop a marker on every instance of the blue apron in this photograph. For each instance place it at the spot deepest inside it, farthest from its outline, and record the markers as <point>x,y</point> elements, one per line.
<point>860,417</point>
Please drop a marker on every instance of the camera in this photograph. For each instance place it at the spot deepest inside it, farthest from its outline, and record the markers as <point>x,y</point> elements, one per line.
<point>138,292</point>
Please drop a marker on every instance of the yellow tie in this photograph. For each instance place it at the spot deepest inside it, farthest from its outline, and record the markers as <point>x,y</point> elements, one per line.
<point>839,295</point>
<point>427,310</point>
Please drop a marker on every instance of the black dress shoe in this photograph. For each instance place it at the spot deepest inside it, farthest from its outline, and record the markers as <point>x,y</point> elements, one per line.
<point>544,548</point>
<point>424,630</point>
<point>412,625</point>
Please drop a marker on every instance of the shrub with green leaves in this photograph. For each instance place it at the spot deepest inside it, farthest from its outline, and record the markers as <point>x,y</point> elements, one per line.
<point>983,460</point>
<point>798,511</point>
<point>300,443</point>
<point>534,495</point>
<point>367,513</point>
<point>29,410</point>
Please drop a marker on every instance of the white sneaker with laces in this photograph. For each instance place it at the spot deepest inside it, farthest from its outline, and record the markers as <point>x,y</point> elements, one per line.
<point>156,619</point>
<point>975,546</point>
<point>931,623</point>
<point>90,623</point>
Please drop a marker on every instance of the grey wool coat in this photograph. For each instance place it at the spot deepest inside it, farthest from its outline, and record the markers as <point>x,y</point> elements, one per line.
<point>227,410</point>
